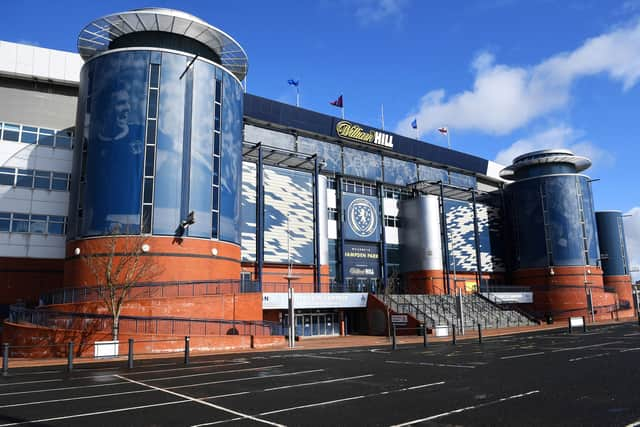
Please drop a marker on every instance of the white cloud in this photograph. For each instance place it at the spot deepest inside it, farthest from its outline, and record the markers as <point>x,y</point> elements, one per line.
<point>632,236</point>
<point>561,136</point>
<point>504,98</point>
<point>374,11</point>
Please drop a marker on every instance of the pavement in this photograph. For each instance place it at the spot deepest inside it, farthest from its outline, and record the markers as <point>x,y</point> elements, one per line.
<point>545,376</point>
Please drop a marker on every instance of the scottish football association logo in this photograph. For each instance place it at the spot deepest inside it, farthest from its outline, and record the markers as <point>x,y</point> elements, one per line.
<point>362,217</point>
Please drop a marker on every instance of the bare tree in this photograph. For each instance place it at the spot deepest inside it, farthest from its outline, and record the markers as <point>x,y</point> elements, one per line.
<point>117,263</point>
<point>390,289</point>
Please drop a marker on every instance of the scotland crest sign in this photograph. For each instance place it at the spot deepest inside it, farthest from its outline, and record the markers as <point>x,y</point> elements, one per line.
<point>361,218</point>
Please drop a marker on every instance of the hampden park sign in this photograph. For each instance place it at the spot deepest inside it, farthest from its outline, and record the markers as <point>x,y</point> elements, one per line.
<point>348,130</point>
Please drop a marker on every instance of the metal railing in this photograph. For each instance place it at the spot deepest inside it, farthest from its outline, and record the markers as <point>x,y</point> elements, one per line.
<point>89,322</point>
<point>151,290</point>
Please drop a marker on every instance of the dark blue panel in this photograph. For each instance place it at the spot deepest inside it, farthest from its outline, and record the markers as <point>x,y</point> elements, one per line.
<point>562,204</point>
<point>202,149</point>
<point>613,248</point>
<point>362,164</point>
<point>361,260</point>
<point>290,116</point>
<point>399,172</point>
<point>231,161</point>
<point>116,144</point>
<point>528,224</point>
<point>168,182</point>
<point>360,218</point>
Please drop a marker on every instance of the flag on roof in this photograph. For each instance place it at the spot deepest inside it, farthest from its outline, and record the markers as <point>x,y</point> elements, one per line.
<point>293,82</point>
<point>337,102</point>
<point>414,124</point>
<point>443,130</point>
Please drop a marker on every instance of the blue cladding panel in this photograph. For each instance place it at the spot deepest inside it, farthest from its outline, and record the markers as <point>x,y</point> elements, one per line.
<point>462,238</point>
<point>360,218</point>
<point>528,224</point>
<point>362,164</point>
<point>168,182</point>
<point>202,149</point>
<point>115,144</point>
<point>399,172</point>
<point>613,248</point>
<point>231,160</point>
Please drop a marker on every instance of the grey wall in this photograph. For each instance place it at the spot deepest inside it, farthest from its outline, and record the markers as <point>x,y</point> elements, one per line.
<point>37,108</point>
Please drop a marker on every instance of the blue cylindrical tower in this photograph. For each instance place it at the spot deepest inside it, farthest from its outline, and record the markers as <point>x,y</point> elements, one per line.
<point>159,127</point>
<point>551,210</point>
<point>613,248</point>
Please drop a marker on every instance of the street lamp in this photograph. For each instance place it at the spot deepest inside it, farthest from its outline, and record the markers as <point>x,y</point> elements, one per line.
<point>290,277</point>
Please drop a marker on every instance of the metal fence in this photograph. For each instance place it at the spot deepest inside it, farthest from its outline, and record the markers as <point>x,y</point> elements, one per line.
<point>89,322</point>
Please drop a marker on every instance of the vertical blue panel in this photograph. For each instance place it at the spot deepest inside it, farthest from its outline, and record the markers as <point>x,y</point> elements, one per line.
<point>589,221</point>
<point>231,160</point>
<point>202,149</point>
<point>362,164</point>
<point>399,172</point>
<point>566,234</point>
<point>360,218</point>
<point>168,183</point>
<point>612,244</point>
<point>528,224</point>
<point>116,144</point>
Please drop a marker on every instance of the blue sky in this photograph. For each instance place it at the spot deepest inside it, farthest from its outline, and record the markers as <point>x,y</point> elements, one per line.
<point>505,76</point>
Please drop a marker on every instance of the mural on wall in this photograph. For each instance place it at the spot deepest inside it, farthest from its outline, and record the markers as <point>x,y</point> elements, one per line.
<point>462,250</point>
<point>286,192</point>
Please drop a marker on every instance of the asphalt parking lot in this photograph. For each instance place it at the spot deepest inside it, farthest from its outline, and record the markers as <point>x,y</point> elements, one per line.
<point>548,378</point>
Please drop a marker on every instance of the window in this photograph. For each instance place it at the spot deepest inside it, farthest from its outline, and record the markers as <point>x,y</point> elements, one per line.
<point>42,179</point>
<point>20,223</point>
<point>391,221</point>
<point>331,183</point>
<point>358,187</point>
<point>63,139</point>
<point>24,178</point>
<point>56,225</point>
<point>332,214</point>
<point>7,176</point>
<point>46,137</point>
<point>60,181</point>
<point>29,135</point>
<point>5,221</point>
<point>38,224</point>
<point>11,132</point>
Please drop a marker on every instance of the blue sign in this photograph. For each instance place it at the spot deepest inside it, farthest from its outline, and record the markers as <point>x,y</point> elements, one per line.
<point>360,218</point>
<point>361,260</point>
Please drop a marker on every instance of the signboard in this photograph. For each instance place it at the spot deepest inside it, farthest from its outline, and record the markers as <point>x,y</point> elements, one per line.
<point>354,132</point>
<point>361,218</point>
<point>361,260</point>
<point>279,300</point>
<point>470,286</point>
<point>105,349</point>
<point>399,319</point>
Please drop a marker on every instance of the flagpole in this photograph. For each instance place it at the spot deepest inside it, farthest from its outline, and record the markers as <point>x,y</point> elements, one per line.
<point>417,136</point>
<point>382,114</point>
<point>449,138</point>
<point>297,96</point>
<point>342,109</point>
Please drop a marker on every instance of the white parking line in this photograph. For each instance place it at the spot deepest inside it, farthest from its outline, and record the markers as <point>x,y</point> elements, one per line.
<point>202,402</point>
<point>467,408</point>
<point>203,374</point>
<point>523,355</point>
<point>438,365</point>
<point>63,388</point>
<point>315,356</point>
<point>325,403</point>
<point>335,380</point>
<point>586,346</point>
<point>31,382</point>
<point>630,349</point>
<point>183,368</point>
<point>289,374</point>
<point>588,357</point>
<point>89,414</point>
<point>68,399</point>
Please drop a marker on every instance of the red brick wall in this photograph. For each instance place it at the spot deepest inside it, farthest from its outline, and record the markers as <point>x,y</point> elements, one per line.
<point>44,343</point>
<point>27,278</point>
<point>188,260</point>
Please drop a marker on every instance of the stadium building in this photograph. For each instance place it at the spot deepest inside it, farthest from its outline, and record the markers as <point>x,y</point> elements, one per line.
<point>143,155</point>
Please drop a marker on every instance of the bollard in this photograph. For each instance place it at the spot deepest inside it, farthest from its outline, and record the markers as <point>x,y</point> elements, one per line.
<point>454,334</point>
<point>393,339</point>
<point>570,327</point>
<point>424,335</point>
<point>5,359</point>
<point>130,358</point>
<point>186,350</point>
<point>70,357</point>
<point>584,324</point>
<point>479,334</point>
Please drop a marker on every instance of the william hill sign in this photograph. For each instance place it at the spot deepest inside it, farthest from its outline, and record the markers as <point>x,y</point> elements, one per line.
<point>348,130</point>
